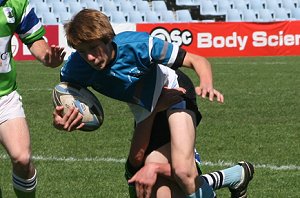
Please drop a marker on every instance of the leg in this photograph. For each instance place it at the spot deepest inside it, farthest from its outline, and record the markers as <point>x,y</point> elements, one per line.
<point>236,178</point>
<point>14,136</point>
<point>163,188</point>
<point>182,129</point>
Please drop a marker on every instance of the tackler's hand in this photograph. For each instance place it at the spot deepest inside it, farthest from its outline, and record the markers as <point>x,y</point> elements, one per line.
<point>169,97</point>
<point>144,180</point>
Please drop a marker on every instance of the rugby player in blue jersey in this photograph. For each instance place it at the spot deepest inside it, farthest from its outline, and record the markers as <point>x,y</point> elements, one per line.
<point>18,17</point>
<point>134,67</point>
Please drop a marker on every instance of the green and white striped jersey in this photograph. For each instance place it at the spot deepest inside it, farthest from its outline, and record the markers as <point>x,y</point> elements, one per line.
<point>16,16</point>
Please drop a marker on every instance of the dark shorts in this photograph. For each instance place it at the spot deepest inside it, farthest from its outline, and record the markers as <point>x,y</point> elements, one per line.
<point>160,134</point>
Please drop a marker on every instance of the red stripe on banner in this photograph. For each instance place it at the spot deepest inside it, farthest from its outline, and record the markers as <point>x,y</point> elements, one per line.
<point>214,39</point>
<point>222,39</point>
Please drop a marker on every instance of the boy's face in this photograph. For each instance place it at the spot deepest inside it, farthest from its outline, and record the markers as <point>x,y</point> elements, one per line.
<point>95,53</point>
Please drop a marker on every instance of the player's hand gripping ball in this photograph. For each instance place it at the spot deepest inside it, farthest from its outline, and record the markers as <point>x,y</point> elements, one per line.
<point>71,95</point>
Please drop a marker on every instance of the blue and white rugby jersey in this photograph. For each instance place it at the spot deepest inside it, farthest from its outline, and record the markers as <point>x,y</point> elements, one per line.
<point>137,75</point>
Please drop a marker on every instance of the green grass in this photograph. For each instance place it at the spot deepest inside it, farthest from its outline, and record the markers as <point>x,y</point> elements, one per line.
<point>259,122</point>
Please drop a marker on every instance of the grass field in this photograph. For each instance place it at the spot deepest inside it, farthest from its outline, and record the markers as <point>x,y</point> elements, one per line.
<point>259,122</point>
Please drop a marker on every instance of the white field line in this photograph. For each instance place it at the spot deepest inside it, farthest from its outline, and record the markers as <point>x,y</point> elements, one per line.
<point>122,160</point>
<point>36,89</point>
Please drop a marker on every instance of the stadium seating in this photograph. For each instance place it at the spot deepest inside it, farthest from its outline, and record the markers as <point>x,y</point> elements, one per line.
<point>49,18</point>
<point>135,17</point>
<point>247,2</point>
<point>295,13</point>
<point>233,15</point>
<point>257,4</point>
<point>208,8</point>
<point>215,2</point>
<point>249,10</point>
<point>197,2</point>
<point>87,1</point>
<point>241,5</point>
<point>64,17</point>
<point>142,6</point>
<point>185,3</point>
<point>272,4</point>
<point>134,1</point>
<point>249,15</point>
<point>51,1</point>
<point>93,5</point>
<point>76,7</point>
<point>60,7</point>
<point>118,17</point>
<point>42,8</point>
<point>168,16</point>
<point>281,14</point>
<point>183,15</point>
<point>290,4</point>
<point>280,2</point>
<point>126,6</point>
<point>152,17</point>
<point>71,1</point>
<point>223,6</point>
<point>36,1</point>
<point>109,6</point>
<point>266,15</point>
<point>159,6</point>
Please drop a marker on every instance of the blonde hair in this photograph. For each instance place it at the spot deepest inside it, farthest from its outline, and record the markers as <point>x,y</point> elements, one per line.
<point>88,25</point>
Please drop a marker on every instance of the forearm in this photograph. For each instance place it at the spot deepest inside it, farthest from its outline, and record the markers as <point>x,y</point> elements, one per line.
<point>163,169</point>
<point>39,49</point>
<point>200,65</point>
<point>203,69</point>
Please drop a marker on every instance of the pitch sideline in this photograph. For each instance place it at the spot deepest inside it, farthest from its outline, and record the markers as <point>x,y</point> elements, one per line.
<point>122,160</point>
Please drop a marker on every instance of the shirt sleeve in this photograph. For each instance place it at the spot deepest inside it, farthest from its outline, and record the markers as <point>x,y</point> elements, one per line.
<point>29,28</point>
<point>165,53</point>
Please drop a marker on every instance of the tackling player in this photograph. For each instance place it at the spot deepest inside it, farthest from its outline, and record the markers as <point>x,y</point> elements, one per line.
<point>154,179</point>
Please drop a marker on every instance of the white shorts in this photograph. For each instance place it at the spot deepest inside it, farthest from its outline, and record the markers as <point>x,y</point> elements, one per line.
<point>11,107</point>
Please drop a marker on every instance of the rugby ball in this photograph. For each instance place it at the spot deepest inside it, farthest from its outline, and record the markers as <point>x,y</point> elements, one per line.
<point>71,95</point>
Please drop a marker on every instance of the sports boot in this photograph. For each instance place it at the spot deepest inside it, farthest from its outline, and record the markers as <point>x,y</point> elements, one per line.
<point>241,190</point>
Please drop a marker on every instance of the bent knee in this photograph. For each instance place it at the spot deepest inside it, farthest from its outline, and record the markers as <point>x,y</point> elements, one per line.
<point>22,159</point>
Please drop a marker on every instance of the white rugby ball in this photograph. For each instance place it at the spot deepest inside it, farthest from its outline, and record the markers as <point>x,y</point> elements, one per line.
<point>71,95</point>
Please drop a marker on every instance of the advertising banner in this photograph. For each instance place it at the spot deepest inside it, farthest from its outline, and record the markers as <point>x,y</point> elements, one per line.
<point>209,39</point>
<point>229,39</point>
